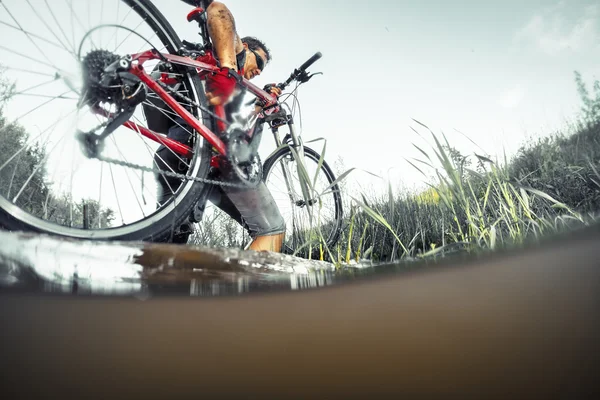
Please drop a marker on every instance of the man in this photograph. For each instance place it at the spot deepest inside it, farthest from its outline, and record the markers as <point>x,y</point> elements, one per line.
<point>253,208</point>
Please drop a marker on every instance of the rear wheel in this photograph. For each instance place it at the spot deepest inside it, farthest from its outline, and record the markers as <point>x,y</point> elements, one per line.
<point>46,183</point>
<point>324,205</point>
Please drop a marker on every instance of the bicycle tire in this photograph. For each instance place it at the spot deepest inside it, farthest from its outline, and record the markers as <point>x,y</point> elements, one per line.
<point>334,233</point>
<point>159,226</point>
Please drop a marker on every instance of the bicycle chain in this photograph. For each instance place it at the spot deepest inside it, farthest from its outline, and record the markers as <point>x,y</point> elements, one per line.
<point>168,173</point>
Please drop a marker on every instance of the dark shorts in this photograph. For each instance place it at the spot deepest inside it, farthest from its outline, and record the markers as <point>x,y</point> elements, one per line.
<point>253,208</point>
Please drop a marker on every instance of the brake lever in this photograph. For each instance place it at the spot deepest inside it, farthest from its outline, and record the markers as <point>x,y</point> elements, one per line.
<point>305,77</point>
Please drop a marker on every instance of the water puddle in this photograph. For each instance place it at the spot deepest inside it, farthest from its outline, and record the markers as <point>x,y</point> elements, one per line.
<point>34,263</point>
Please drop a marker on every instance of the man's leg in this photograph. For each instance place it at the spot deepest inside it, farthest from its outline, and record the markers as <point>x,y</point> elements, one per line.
<point>167,160</point>
<point>268,243</point>
<point>254,209</point>
<point>260,215</point>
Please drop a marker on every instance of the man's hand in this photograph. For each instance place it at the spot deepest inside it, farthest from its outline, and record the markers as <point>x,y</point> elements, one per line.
<point>269,88</point>
<point>220,86</point>
<point>273,89</point>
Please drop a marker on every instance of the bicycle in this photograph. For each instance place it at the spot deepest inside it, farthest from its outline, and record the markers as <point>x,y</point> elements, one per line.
<point>112,86</point>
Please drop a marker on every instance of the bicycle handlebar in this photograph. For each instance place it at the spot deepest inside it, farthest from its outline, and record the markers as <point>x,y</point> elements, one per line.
<point>300,70</point>
<point>311,60</point>
<point>297,72</point>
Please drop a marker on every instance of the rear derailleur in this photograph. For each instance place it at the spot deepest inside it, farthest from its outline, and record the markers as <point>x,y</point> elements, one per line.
<point>107,81</point>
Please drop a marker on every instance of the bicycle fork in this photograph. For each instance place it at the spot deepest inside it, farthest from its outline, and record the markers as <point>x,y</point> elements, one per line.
<point>298,149</point>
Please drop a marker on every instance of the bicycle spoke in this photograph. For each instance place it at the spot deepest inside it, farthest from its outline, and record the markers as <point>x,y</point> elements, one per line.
<point>24,91</point>
<point>48,195</point>
<point>167,112</point>
<point>151,156</point>
<point>100,22</point>
<point>101,12</point>
<point>99,222</point>
<point>32,110</point>
<point>149,150</point>
<point>72,26</point>
<point>144,45</point>
<point>128,178</point>
<point>181,91</point>
<point>112,177</point>
<point>8,68</point>
<point>30,34</point>
<point>116,34</point>
<point>48,96</point>
<point>128,35</point>
<point>178,124</point>
<point>59,25</point>
<point>73,14</point>
<point>71,51</point>
<point>27,57</point>
<point>126,174</point>
<point>126,170</point>
<point>154,161</point>
<point>71,187</point>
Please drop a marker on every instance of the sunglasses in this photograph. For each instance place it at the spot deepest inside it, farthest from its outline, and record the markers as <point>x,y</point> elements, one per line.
<point>260,62</point>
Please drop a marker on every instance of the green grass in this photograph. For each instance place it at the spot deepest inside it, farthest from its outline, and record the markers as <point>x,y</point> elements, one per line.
<point>475,203</point>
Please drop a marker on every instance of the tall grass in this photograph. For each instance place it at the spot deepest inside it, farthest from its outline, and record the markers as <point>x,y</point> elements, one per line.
<point>549,186</point>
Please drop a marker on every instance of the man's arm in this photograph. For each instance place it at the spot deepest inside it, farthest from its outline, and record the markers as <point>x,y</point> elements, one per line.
<point>223,34</point>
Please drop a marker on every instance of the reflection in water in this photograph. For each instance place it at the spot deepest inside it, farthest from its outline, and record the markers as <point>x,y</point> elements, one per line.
<point>40,263</point>
<point>314,280</point>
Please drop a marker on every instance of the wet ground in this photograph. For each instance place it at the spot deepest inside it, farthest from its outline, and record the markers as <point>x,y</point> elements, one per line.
<point>36,263</point>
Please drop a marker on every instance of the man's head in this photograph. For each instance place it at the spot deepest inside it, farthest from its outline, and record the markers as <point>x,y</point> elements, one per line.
<point>257,56</point>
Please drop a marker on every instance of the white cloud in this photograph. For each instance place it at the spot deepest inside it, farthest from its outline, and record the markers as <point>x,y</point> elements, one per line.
<point>512,97</point>
<point>553,33</point>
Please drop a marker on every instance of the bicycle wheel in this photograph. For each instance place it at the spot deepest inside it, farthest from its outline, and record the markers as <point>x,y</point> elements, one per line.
<point>47,53</point>
<point>325,204</point>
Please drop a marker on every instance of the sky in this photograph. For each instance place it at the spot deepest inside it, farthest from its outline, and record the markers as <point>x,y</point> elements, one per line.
<point>499,73</point>
<point>489,75</point>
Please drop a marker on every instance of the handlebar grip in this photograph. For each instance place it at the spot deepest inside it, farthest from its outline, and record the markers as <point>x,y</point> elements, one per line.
<point>300,70</point>
<point>311,60</point>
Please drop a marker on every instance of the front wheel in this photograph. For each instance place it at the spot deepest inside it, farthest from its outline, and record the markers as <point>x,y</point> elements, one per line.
<point>314,217</point>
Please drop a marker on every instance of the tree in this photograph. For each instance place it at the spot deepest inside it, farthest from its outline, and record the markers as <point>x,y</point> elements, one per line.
<point>591,103</point>
<point>21,179</point>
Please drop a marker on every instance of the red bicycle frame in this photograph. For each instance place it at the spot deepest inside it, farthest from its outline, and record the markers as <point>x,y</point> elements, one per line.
<point>137,69</point>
